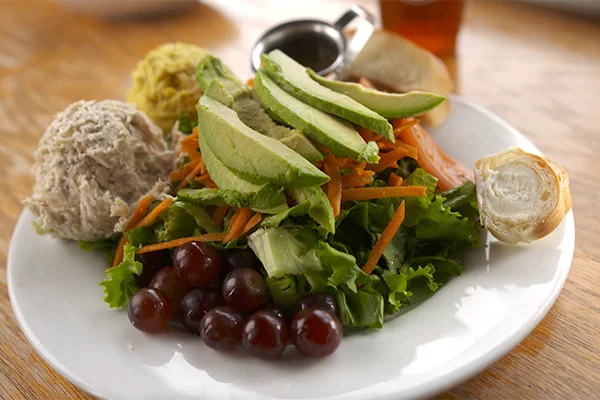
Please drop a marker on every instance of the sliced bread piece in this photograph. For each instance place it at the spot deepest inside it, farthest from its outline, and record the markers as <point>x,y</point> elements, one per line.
<point>522,197</point>
<point>395,63</point>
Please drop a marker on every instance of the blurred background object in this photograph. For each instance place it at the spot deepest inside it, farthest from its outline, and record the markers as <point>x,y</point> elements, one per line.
<point>432,24</point>
<point>590,8</point>
<point>126,8</point>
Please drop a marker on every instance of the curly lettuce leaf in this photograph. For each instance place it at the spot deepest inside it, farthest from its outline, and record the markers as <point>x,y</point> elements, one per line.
<point>440,223</point>
<point>119,284</point>
<point>361,309</point>
<point>463,200</point>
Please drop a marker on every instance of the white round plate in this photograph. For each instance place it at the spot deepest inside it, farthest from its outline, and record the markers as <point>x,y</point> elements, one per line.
<point>468,324</point>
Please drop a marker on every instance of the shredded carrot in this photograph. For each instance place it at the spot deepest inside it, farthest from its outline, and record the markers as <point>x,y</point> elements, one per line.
<point>237,223</point>
<point>401,124</point>
<point>366,134</point>
<point>250,82</point>
<point>385,145</point>
<point>385,239</point>
<point>355,194</point>
<point>360,167</point>
<point>191,149</point>
<point>357,175</point>
<point>209,237</point>
<point>334,186</point>
<point>394,180</point>
<point>388,160</point>
<point>181,173</point>
<point>357,183</point>
<point>204,177</point>
<point>411,151</point>
<point>256,218</point>
<point>191,137</point>
<point>136,217</point>
<point>119,254</point>
<point>219,215</point>
<point>162,206</point>
<point>197,170</point>
<point>210,184</point>
<point>139,212</point>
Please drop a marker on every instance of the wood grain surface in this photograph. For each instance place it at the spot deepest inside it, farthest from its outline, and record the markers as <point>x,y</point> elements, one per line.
<point>539,69</point>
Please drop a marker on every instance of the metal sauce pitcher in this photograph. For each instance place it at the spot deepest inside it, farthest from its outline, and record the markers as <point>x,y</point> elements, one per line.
<point>319,43</point>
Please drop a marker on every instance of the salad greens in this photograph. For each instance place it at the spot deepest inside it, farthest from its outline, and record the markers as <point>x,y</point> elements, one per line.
<point>303,248</point>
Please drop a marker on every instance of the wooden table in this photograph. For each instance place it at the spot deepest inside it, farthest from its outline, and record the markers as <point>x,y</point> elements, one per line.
<point>538,69</point>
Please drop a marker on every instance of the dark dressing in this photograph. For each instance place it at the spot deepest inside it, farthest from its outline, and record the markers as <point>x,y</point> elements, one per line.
<point>311,49</point>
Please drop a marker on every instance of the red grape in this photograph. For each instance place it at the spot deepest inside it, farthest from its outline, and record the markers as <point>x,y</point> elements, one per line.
<point>316,332</point>
<point>197,264</point>
<point>318,300</point>
<point>151,263</point>
<point>196,304</point>
<point>149,310</point>
<point>265,335</point>
<point>244,289</point>
<point>167,281</point>
<point>221,328</point>
<point>239,258</point>
<point>275,309</point>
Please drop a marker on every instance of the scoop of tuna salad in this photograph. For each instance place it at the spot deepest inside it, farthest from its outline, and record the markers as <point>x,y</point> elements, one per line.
<point>93,164</point>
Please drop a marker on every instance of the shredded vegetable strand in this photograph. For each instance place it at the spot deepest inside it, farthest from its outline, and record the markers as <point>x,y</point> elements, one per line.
<point>198,169</point>
<point>219,215</point>
<point>237,223</point>
<point>255,220</point>
<point>357,175</point>
<point>138,215</point>
<point>162,206</point>
<point>334,186</point>
<point>191,137</point>
<point>366,134</point>
<point>355,194</point>
<point>394,180</point>
<point>388,159</point>
<point>357,183</point>
<point>181,173</point>
<point>404,123</point>
<point>209,237</point>
<point>385,239</point>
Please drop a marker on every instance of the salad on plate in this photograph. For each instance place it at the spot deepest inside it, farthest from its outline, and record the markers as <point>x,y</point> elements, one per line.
<point>290,209</point>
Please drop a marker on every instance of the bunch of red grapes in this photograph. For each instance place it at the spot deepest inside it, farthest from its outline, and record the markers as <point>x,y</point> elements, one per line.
<point>222,297</point>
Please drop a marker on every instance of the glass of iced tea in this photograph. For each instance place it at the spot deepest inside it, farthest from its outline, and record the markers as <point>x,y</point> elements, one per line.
<point>432,24</point>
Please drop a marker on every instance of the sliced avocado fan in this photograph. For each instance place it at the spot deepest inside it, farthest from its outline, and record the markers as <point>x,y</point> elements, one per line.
<point>218,82</point>
<point>235,191</point>
<point>389,105</point>
<point>293,78</point>
<point>329,131</point>
<point>254,157</point>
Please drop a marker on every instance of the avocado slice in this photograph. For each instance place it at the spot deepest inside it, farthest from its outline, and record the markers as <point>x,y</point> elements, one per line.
<point>293,78</point>
<point>218,82</point>
<point>250,155</point>
<point>252,114</point>
<point>389,105</point>
<point>329,131</point>
<point>238,192</point>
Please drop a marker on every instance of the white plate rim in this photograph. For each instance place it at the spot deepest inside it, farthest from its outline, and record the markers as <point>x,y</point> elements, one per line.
<point>448,380</point>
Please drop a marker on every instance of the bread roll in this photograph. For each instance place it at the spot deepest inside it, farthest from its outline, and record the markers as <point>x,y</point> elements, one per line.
<point>395,63</point>
<point>522,197</point>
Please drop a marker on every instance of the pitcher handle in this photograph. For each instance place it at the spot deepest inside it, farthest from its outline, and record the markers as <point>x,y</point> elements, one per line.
<point>358,41</point>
